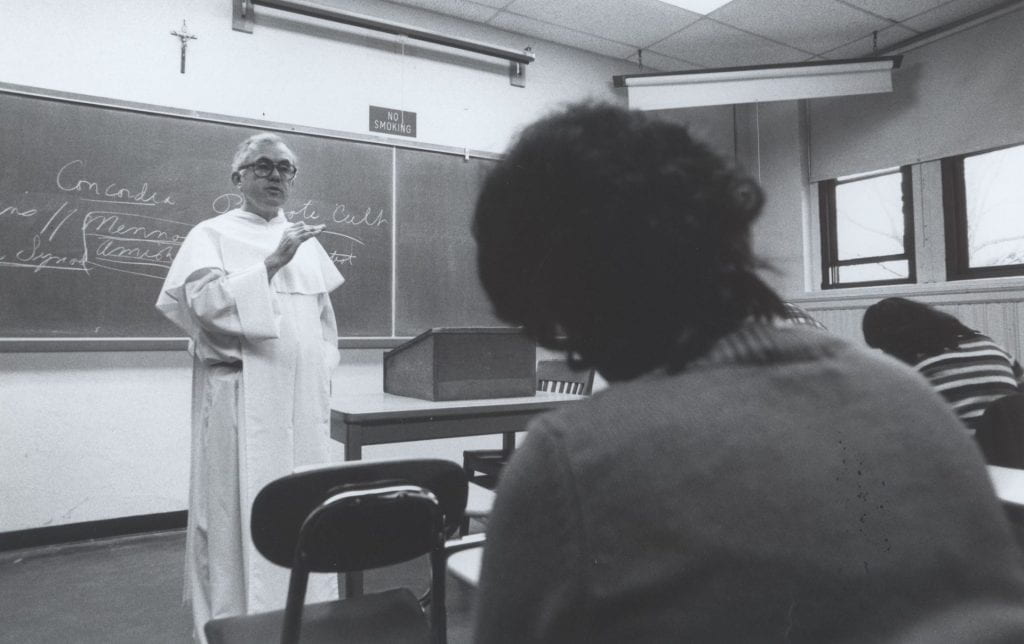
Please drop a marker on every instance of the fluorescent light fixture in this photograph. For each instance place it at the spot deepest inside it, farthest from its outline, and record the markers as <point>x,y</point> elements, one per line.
<point>758,84</point>
<point>703,7</point>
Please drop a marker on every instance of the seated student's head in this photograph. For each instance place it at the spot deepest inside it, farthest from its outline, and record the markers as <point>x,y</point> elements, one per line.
<point>619,238</point>
<point>911,331</point>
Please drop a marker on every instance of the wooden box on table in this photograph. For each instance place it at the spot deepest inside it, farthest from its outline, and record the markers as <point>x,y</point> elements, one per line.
<point>463,363</point>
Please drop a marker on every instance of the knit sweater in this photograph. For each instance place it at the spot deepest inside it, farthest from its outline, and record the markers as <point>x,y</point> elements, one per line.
<point>788,487</point>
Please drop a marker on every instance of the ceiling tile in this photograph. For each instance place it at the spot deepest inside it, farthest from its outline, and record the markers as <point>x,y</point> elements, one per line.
<point>897,11</point>
<point>637,22</point>
<point>655,62</point>
<point>863,47</point>
<point>528,26</point>
<point>472,11</point>
<point>814,26</point>
<point>712,44</point>
<point>950,13</point>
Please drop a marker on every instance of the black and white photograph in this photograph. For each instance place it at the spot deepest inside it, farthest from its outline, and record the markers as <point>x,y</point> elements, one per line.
<point>512,321</point>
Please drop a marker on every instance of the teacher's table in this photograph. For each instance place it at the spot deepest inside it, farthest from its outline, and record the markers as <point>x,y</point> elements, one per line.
<point>373,419</point>
<point>377,418</point>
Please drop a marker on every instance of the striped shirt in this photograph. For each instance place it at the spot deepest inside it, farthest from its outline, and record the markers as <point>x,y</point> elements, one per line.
<point>971,376</point>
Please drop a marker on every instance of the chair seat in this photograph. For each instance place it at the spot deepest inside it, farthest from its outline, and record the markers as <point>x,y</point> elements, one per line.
<point>390,616</point>
<point>488,461</point>
<point>484,465</point>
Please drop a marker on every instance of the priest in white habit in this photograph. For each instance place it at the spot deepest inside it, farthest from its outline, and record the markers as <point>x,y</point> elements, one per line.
<point>250,289</point>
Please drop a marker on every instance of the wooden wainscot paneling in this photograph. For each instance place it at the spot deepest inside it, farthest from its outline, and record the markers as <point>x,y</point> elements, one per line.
<point>995,309</point>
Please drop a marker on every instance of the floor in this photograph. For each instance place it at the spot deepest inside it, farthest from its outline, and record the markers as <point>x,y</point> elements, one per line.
<point>128,591</point>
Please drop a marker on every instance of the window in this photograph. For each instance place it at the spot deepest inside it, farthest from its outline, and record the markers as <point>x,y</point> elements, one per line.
<point>867,229</point>
<point>983,200</point>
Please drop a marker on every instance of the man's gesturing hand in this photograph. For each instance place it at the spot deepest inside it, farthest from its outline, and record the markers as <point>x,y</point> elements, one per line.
<point>292,238</point>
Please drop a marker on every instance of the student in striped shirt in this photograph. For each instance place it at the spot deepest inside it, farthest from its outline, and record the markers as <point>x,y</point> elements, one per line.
<point>965,366</point>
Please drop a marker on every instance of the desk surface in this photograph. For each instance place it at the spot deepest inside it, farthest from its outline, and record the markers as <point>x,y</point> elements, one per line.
<point>364,408</point>
<point>466,565</point>
<point>1009,484</point>
<point>376,418</point>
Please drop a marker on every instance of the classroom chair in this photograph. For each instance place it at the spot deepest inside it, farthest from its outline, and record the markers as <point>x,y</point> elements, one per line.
<point>559,377</point>
<point>483,466</point>
<point>479,502</point>
<point>354,517</point>
<point>1000,434</point>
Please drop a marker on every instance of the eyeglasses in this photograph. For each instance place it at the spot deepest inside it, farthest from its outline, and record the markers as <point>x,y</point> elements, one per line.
<point>264,167</point>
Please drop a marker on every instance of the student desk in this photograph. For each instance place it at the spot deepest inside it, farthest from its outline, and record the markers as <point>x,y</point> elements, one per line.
<point>377,418</point>
<point>1009,485</point>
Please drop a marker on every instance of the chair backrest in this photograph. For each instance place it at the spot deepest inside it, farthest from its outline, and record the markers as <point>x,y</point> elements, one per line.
<point>358,515</point>
<point>557,376</point>
<point>1000,433</point>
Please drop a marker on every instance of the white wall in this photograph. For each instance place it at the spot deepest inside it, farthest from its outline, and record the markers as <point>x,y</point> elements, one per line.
<point>295,70</point>
<point>715,125</point>
<point>771,147</point>
<point>90,436</point>
<point>766,141</point>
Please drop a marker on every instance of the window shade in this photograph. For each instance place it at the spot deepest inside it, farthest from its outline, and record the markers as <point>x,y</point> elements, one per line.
<point>961,94</point>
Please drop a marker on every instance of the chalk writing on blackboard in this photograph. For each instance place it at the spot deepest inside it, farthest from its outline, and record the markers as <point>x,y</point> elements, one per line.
<point>69,179</point>
<point>109,225</point>
<point>98,196</point>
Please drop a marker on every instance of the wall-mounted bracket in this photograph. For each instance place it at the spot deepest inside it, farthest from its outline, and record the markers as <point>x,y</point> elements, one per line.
<point>242,15</point>
<point>516,74</point>
<point>517,70</point>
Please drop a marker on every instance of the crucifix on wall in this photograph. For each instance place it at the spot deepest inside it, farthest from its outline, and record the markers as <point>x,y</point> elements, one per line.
<point>184,36</point>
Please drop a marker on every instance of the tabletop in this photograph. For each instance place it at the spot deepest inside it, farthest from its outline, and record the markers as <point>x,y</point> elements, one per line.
<point>381,406</point>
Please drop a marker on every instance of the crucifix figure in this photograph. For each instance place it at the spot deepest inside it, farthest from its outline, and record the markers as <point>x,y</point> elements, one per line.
<point>184,36</point>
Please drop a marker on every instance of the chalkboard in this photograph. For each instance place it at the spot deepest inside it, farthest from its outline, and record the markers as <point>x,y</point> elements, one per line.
<point>436,254</point>
<point>96,198</point>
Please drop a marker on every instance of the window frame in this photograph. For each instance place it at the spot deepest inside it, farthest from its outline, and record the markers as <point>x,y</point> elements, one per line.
<point>954,213</point>
<point>830,262</point>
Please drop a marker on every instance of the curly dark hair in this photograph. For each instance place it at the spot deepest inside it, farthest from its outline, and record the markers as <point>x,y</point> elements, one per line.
<point>912,331</point>
<point>619,239</point>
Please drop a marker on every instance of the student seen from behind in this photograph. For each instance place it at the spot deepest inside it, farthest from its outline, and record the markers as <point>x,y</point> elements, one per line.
<point>739,480</point>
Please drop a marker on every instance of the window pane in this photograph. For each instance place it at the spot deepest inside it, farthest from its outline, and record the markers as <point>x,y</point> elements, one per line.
<point>869,217</point>
<point>994,191</point>
<point>898,269</point>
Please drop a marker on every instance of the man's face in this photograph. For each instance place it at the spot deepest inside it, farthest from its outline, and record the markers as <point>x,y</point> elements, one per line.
<point>264,195</point>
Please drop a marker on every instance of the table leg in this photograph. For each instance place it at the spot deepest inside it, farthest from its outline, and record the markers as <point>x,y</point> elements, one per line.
<point>508,442</point>
<point>353,445</point>
<point>353,581</point>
